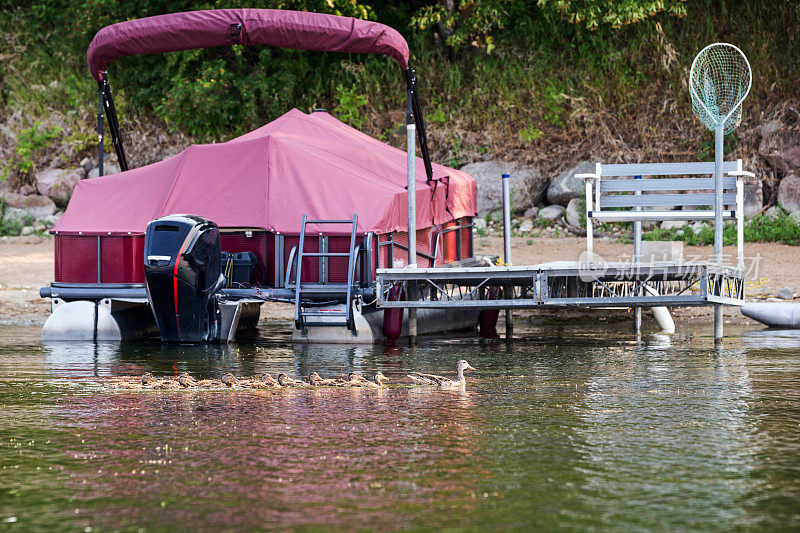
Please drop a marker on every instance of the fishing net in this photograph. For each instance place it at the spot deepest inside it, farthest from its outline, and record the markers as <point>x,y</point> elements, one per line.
<point>719,81</point>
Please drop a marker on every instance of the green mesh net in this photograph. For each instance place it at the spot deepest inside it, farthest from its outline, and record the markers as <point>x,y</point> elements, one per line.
<point>719,81</point>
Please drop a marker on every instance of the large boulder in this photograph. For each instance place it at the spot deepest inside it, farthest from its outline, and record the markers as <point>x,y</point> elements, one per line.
<point>527,185</point>
<point>566,186</point>
<point>575,213</point>
<point>16,217</point>
<point>789,193</point>
<point>34,205</point>
<point>784,160</point>
<point>57,184</point>
<point>753,196</point>
<point>108,169</point>
<point>552,213</point>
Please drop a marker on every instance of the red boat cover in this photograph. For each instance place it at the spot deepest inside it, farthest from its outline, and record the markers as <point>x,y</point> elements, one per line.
<point>203,29</point>
<point>268,178</point>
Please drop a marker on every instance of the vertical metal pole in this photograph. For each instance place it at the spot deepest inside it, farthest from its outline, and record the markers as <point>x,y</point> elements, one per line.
<point>99,260</point>
<point>637,257</point>
<point>507,218</point>
<point>719,138</point>
<point>589,229</point>
<point>100,127</point>
<point>411,154</point>
<point>507,249</point>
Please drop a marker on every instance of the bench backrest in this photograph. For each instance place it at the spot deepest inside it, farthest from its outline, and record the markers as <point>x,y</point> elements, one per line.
<point>663,192</point>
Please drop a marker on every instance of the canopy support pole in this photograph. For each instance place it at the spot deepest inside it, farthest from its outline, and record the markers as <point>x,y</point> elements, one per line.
<point>412,211</point>
<point>416,111</point>
<point>113,123</point>
<point>100,107</point>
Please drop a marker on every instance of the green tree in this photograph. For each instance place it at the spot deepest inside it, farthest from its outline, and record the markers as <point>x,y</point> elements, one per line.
<point>477,21</point>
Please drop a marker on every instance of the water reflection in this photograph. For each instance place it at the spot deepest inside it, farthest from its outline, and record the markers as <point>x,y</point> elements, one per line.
<point>563,428</point>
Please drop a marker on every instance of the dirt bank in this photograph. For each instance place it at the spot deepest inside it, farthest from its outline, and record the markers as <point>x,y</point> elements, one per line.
<point>26,264</point>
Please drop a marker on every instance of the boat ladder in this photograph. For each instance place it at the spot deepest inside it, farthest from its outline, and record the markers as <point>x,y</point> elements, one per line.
<point>308,309</point>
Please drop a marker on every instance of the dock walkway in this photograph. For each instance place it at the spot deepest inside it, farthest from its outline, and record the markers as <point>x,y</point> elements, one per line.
<point>564,284</point>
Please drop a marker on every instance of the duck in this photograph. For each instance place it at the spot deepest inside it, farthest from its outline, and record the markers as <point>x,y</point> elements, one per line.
<point>285,381</point>
<point>167,384</point>
<point>353,379</point>
<point>265,381</point>
<point>210,383</point>
<point>375,383</point>
<point>440,381</point>
<point>317,381</point>
<point>228,379</point>
<point>186,381</point>
<point>266,377</point>
<point>148,379</point>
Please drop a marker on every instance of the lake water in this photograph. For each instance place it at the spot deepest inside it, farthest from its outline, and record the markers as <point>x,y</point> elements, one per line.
<point>573,428</point>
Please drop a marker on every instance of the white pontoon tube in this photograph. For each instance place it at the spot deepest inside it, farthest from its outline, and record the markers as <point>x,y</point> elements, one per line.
<point>661,314</point>
<point>774,314</point>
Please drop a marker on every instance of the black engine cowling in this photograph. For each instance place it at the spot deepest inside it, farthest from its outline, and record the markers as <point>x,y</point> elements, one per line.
<point>183,273</point>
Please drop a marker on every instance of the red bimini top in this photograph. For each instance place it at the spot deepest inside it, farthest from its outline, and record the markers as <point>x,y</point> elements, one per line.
<point>268,178</point>
<point>224,27</point>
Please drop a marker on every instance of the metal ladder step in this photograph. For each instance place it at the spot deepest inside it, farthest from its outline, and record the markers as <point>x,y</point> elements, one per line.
<point>343,291</point>
<point>326,324</point>
<point>326,254</point>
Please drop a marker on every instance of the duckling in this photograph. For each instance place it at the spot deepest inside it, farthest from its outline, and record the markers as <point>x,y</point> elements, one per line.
<point>264,381</point>
<point>228,379</point>
<point>186,381</point>
<point>376,383</point>
<point>268,379</point>
<point>167,384</point>
<point>210,384</point>
<point>126,383</point>
<point>148,379</point>
<point>316,380</point>
<point>353,379</point>
<point>440,381</point>
<point>285,381</point>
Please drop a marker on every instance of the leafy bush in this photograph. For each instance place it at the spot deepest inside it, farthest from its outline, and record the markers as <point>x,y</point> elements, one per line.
<point>30,142</point>
<point>782,228</point>
<point>349,102</point>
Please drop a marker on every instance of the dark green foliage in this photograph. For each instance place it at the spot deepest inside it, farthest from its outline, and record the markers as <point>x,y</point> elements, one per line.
<point>202,92</point>
<point>781,228</point>
<point>549,91</point>
<point>479,21</point>
<point>29,142</point>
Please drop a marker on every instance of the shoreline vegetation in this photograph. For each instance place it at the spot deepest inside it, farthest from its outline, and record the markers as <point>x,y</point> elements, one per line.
<point>541,83</point>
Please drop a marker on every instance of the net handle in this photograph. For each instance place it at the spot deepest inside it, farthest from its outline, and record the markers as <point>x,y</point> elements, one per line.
<point>702,103</point>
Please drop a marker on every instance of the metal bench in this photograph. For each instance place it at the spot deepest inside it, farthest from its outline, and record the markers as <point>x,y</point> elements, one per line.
<point>639,186</point>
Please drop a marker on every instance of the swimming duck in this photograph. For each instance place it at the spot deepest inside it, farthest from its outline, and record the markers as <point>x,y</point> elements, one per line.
<point>376,383</point>
<point>285,381</point>
<point>228,379</point>
<point>210,383</point>
<point>167,384</point>
<point>267,378</point>
<point>440,381</point>
<point>186,381</point>
<point>317,381</point>
<point>265,381</point>
<point>353,379</point>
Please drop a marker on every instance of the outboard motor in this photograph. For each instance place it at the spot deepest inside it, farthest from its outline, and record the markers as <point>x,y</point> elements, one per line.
<point>183,273</point>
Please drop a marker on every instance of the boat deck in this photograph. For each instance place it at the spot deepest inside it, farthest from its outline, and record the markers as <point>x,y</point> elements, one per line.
<point>565,284</point>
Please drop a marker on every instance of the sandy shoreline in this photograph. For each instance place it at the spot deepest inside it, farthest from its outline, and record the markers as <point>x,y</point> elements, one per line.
<point>26,264</point>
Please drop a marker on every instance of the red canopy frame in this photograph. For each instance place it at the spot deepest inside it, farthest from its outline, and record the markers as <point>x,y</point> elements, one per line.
<point>226,27</point>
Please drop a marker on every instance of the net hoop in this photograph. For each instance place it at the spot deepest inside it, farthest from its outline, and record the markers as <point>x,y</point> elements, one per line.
<point>712,120</point>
